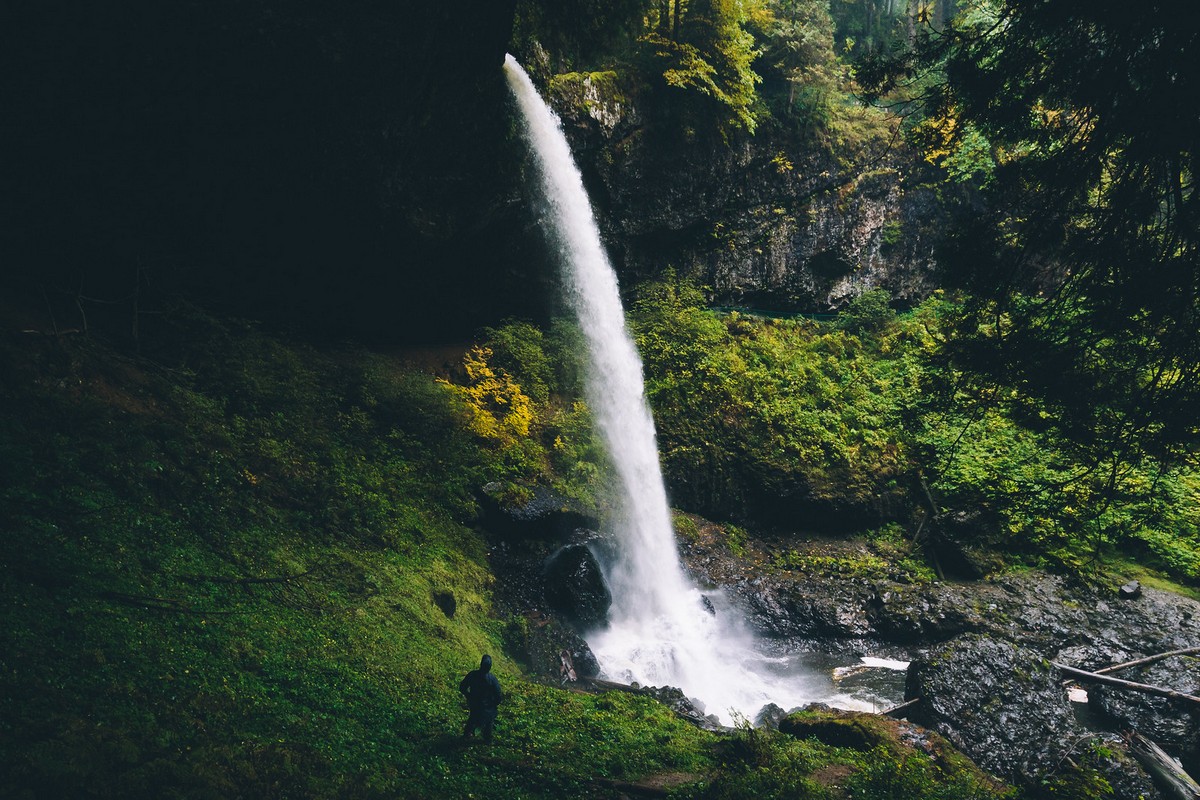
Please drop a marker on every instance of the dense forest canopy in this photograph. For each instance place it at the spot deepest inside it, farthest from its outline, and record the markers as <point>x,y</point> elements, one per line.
<point>1081,261</point>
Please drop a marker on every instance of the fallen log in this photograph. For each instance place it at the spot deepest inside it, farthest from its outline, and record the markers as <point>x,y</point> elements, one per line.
<point>1166,771</point>
<point>1145,688</point>
<point>1148,660</point>
<point>901,711</point>
<point>600,683</point>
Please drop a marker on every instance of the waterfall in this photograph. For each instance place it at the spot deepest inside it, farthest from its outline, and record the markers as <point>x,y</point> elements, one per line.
<point>660,631</point>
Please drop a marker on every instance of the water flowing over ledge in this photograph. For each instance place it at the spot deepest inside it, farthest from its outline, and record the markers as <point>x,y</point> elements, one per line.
<point>662,630</point>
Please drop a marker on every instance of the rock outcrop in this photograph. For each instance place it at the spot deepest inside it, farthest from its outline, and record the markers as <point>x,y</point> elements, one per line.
<point>575,586</point>
<point>982,649</point>
<point>1003,706</point>
<point>1172,725</point>
<point>775,220</point>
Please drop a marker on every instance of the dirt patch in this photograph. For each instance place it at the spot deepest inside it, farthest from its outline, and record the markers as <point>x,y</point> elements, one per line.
<point>831,775</point>
<point>669,780</point>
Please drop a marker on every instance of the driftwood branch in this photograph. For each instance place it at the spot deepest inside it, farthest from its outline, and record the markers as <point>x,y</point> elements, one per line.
<point>614,686</point>
<point>1148,660</point>
<point>1136,687</point>
<point>1170,775</point>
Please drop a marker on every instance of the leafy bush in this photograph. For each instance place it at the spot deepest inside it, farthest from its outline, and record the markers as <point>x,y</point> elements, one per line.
<point>797,423</point>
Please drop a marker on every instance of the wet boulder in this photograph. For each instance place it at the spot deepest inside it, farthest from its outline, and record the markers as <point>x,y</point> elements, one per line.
<point>1172,725</point>
<point>836,728</point>
<point>1130,591</point>
<point>574,586</point>
<point>689,708</point>
<point>904,614</point>
<point>790,609</point>
<point>769,716</point>
<point>530,512</point>
<point>1004,706</point>
<point>550,649</point>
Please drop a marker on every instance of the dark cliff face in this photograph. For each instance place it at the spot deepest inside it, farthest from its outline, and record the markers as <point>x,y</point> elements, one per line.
<point>340,167</point>
<point>359,171</point>
<point>770,221</point>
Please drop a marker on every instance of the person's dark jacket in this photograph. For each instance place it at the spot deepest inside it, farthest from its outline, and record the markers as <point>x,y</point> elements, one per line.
<point>481,688</point>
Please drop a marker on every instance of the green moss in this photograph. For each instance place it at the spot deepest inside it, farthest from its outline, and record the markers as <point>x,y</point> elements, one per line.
<point>220,578</point>
<point>685,526</point>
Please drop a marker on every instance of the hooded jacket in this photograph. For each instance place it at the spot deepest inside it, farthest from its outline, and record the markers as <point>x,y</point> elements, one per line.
<point>481,688</point>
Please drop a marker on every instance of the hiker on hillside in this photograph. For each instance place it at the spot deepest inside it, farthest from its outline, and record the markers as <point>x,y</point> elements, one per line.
<point>483,694</point>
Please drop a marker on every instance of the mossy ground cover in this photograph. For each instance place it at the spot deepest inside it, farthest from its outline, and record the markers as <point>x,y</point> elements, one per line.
<point>221,559</point>
<point>219,569</point>
<point>860,425</point>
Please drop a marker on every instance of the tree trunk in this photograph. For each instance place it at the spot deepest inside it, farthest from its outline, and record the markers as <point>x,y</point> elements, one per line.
<point>1170,776</point>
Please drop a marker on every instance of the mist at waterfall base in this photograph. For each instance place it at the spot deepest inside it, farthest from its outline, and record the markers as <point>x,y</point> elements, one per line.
<point>660,632</point>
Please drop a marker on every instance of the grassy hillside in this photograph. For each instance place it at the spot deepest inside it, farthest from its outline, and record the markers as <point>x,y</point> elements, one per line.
<point>226,571</point>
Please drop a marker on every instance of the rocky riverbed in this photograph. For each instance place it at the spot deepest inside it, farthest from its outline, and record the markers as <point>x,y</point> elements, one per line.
<point>982,651</point>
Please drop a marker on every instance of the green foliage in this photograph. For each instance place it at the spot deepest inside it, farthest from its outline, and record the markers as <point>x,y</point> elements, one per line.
<point>520,350</point>
<point>735,540</point>
<point>498,409</point>
<point>1082,780</point>
<point>866,566</point>
<point>220,579</point>
<point>869,313</point>
<point>759,762</point>
<point>580,31</point>
<point>685,527</point>
<point>1001,452</point>
<point>882,776</point>
<point>1082,265</point>
<point>800,70</point>
<point>865,26</point>
<point>779,420</point>
<point>517,391</point>
<point>709,52</point>
<point>776,416</point>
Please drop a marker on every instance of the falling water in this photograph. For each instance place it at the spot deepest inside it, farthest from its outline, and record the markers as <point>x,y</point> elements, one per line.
<point>660,632</point>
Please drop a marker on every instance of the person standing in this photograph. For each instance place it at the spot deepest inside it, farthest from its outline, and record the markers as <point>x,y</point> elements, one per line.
<point>482,690</point>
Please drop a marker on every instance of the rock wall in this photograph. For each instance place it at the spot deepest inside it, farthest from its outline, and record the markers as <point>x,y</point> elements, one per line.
<point>774,221</point>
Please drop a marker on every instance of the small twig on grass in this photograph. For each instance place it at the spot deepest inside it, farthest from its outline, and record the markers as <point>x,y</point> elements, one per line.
<point>157,603</point>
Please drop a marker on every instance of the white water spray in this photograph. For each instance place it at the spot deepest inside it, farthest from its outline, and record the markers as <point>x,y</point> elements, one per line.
<point>660,632</point>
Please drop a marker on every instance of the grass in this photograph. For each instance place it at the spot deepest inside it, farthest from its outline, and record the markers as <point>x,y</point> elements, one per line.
<point>1116,571</point>
<point>219,567</point>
